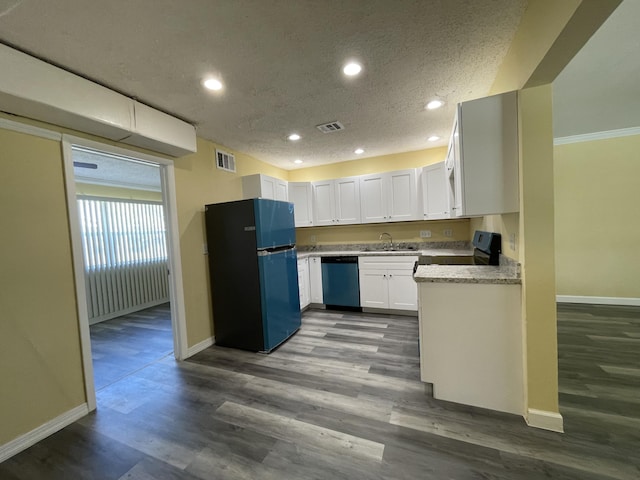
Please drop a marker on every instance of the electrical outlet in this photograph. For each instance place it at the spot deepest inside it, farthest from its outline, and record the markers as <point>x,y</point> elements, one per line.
<point>313,239</point>
<point>205,249</point>
<point>447,232</point>
<point>425,233</point>
<point>512,241</point>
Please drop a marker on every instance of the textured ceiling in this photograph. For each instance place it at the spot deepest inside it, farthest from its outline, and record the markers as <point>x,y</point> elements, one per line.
<point>599,89</point>
<point>280,61</point>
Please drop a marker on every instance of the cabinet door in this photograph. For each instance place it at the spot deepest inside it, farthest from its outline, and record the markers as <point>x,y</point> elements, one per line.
<point>267,187</point>
<point>315,279</point>
<point>402,196</point>
<point>434,192</point>
<point>300,195</point>
<point>403,290</point>
<point>323,203</point>
<point>281,190</point>
<point>303,282</point>
<point>456,175</point>
<point>347,196</point>
<point>373,198</point>
<point>374,291</point>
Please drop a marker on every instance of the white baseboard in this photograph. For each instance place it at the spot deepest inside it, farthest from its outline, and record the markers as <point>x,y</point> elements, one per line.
<point>198,347</point>
<point>626,301</point>
<point>23,442</point>
<point>545,420</point>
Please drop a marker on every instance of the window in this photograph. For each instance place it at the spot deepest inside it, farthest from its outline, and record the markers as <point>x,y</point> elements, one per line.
<point>121,232</point>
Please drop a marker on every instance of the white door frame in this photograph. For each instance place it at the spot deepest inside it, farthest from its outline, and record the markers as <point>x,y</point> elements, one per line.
<point>176,289</point>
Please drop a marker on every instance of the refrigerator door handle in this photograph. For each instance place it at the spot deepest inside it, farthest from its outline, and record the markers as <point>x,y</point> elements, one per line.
<point>270,251</point>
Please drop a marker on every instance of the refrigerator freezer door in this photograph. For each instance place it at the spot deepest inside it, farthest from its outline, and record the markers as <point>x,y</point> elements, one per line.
<point>275,225</point>
<point>279,296</point>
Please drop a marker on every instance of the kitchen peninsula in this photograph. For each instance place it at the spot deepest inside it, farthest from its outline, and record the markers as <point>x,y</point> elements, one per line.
<point>470,325</point>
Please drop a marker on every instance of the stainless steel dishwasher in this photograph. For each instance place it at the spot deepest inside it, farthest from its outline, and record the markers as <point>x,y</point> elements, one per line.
<point>340,282</point>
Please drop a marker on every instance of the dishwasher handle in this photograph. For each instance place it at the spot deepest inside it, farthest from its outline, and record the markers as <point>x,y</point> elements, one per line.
<point>340,259</point>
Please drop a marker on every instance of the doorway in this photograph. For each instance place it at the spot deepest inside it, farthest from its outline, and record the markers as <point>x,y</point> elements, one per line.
<point>126,260</point>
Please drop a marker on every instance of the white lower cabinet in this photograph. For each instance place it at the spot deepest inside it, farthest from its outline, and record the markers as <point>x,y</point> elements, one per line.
<point>303,282</point>
<point>471,344</point>
<point>387,282</point>
<point>315,279</point>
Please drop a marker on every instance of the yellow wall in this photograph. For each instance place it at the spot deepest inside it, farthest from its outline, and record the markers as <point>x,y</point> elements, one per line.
<point>117,192</point>
<point>370,233</point>
<point>537,247</point>
<point>364,166</point>
<point>199,182</point>
<point>40,358</point>
<point>597,231</point>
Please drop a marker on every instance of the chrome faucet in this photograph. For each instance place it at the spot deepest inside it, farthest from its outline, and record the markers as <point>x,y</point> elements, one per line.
<point>389,244</point>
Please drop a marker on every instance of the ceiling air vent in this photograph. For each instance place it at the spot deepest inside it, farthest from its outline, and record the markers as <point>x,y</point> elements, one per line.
<point>225,161</point>
<point>330,127</point>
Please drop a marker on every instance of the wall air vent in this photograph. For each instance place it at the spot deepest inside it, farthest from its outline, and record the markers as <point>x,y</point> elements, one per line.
<point>225,161</point>
<point>330,127</point>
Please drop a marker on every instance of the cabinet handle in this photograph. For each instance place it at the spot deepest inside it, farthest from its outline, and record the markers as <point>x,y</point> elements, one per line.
<point>390,276</point>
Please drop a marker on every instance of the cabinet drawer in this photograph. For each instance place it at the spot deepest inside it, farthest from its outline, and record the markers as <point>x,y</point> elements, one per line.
<point>399,262</point>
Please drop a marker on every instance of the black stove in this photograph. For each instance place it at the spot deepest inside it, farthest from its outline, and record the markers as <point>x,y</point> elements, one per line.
<point>487,247</point>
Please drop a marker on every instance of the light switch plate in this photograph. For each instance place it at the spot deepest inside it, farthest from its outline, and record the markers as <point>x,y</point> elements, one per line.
<point>425,233</point>
<point>512,241</point>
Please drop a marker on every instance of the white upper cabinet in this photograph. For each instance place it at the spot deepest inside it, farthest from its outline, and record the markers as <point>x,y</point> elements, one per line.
<point>336,202</point>
<point>435,201</point>
<point>264,186</point>
<point>324,204</point>
<point>389,197</point>
<point>373,197</point>
<point>300,194</point>
<point>484,178</point>
<point>403,198</point>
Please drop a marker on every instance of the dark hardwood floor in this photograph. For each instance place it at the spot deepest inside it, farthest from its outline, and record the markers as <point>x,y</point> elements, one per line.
<point>342,400</point>
<point>126,344</point>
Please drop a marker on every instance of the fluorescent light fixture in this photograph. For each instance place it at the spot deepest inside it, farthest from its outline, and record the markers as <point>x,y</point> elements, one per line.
<point>433,104</point>
<point>297,161</point>
<point>352,68</point>
<point>212,84</point>
<point>358,151</point>
<point>293,137</point>
<point>433,138</point>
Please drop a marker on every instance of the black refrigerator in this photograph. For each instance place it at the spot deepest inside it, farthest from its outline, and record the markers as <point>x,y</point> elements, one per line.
<point>254,273</point>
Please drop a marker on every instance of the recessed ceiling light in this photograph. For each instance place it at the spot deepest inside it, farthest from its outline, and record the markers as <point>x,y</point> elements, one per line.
<point>433,138</point>
<point>358,151</point>
<point>294,137</point>
<point>297,161</point>
<point>352,68</point>
<point>212,84</point>
<point>433,104</point>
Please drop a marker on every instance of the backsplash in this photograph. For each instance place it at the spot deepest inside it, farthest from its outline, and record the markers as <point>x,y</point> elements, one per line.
<point>357,247</point>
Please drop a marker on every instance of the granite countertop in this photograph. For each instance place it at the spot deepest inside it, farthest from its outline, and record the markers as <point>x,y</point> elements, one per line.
<point>507,273</point>
<point>503,274</point>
